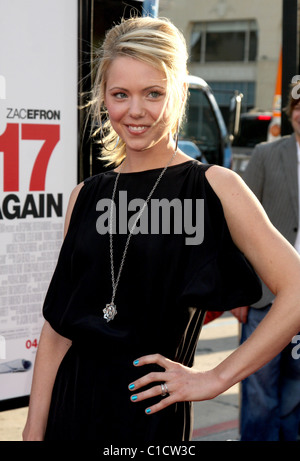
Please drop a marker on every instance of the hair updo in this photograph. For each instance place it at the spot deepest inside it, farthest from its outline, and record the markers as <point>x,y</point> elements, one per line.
<point>154,41</point>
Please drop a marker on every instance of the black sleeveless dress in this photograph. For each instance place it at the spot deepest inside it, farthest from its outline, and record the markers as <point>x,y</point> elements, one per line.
<point>165,288</point>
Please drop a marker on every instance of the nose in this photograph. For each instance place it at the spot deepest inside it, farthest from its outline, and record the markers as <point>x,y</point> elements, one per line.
<point>136,108</point>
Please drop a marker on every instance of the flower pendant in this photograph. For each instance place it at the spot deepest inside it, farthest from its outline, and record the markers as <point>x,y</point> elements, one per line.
<point>110,312</point>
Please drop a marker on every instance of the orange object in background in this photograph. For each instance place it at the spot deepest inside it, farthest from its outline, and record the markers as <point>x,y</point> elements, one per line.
<point>274,131</point>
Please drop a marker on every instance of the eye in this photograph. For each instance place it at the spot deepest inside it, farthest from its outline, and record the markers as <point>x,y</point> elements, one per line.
<point>120,95</point>
<point>155,94</point>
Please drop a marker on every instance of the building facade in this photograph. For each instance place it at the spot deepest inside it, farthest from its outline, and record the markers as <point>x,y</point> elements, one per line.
<point>233,45</point>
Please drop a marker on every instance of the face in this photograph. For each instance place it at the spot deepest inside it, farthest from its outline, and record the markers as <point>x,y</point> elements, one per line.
<point>296,120</point>
<point>135,96</point>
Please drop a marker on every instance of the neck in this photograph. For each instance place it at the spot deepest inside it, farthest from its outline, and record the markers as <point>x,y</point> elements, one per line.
<point>156,157</point>
<point>144,163</point>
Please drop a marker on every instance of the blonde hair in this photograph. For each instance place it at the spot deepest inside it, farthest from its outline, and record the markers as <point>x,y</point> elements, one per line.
<point>154,41</point>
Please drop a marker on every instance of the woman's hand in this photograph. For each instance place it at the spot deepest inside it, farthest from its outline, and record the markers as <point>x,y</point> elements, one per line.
<point>182,383</point>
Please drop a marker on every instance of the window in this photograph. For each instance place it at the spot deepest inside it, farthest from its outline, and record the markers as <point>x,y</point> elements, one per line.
<point>223,92</point>
<point>231,41</point>
<point>201,126</point>
<point>253,129</point>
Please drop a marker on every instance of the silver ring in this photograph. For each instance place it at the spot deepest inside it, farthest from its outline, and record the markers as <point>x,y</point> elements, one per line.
<point>164,390</point>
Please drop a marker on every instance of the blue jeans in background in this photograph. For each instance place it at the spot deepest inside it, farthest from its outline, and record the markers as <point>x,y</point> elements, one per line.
<point>270,398</point>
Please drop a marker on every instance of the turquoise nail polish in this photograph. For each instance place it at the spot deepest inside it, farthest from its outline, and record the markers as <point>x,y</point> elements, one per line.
<point>134,397</point>
<point>148,411</point>
<point>136,362</point>
<point>132,386</point>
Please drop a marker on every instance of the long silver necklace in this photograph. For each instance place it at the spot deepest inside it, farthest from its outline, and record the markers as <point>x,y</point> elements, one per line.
<point>110,311</point>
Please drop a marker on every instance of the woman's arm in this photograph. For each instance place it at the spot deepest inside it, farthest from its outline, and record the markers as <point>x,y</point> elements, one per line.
<point>51,350</point>
<point>277,263</point>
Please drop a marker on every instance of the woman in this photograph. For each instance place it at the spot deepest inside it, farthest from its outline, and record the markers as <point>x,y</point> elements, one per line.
<point>126,303</point>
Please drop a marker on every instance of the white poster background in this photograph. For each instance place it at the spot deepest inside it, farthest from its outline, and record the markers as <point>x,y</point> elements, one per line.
<point>38,86</point>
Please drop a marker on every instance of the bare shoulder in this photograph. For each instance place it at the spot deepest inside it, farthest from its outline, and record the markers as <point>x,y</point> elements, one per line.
<point>72,201</point>
<point>243,212</point>
<point>225,182</point>
<point>217,171</point>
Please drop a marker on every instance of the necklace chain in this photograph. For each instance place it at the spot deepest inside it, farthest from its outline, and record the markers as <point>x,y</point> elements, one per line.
<point>110,310</point>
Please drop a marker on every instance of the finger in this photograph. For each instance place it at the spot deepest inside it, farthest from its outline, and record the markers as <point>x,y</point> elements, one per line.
<point>153,358</point>
<point>155,391</point>
<point>148,379</point>
<point>164,403</point>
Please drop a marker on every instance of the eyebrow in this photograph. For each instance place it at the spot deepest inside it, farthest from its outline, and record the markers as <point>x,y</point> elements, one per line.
<point>144,89</point>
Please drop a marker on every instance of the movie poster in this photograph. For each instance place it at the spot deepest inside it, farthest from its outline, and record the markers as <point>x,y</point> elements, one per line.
<point>38,169</point>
